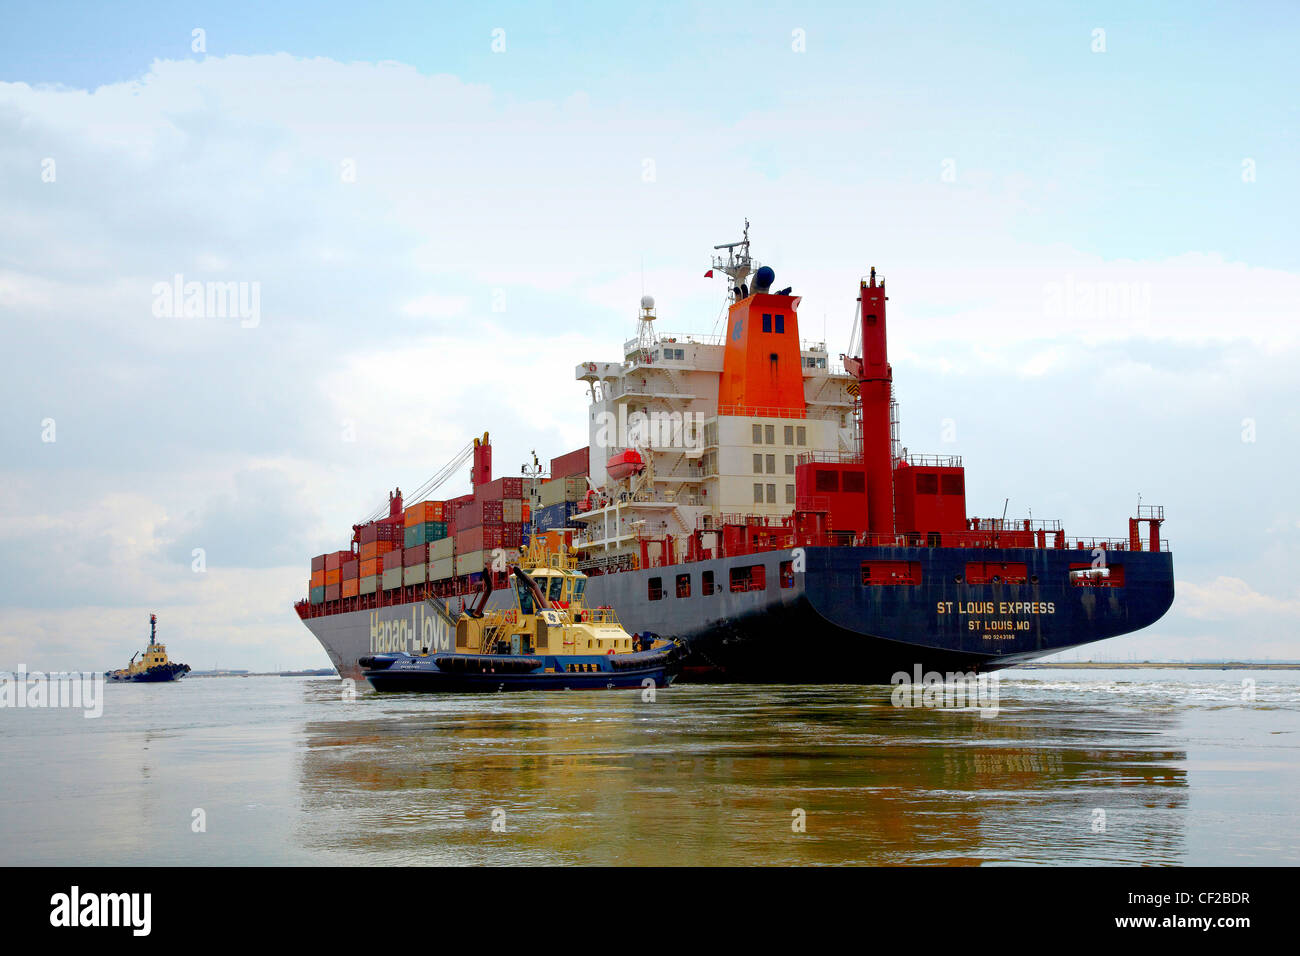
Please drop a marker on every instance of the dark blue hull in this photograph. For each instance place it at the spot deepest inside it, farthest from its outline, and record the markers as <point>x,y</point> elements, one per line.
<point>154,675</point>
<point>826,626</point>
<point>485,674</point>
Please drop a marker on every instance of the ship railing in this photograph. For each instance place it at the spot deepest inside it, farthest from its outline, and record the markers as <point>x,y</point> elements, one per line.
<point>596,615</point>
<point>932,461</point>
<point>830,457</point>
<point>762,411</point>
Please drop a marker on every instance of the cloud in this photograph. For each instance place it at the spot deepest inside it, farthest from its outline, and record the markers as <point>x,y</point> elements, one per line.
<point>435,257</point>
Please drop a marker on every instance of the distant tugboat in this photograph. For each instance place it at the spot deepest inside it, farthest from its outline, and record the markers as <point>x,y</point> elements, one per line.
<point>154,667</point>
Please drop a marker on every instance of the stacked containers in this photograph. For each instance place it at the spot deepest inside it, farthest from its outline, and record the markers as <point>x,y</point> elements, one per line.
<point>414,562</point>
<point>316,585</point>
<point>378,539</point>
<point>550,517</point>
<point>425,522</point>
<point>392,573</point>
<point>440,559</point>
<point>351,578</point>
<point>334,574</point>
<point>559,490</point>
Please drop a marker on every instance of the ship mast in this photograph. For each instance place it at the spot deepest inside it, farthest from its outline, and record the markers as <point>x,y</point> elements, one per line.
<point>736,265</point>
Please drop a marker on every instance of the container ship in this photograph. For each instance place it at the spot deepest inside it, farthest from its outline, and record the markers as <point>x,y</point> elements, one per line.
<point>745,494</point>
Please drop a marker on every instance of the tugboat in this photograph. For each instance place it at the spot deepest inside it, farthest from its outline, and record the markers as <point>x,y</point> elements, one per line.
<point>549,640</point>
<point>154,667</point>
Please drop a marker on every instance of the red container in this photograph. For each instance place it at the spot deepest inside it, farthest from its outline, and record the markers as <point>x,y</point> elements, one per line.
<point>479,512</point>
<point>351,569</point>
<point>318,563</point>
<point>512,535</point>
<point>335,559</point>
<point>332,592</point>
<point>484,537</point>
<point>392,559</point>
<point>572,465</point>
<point>416,555</point>
<point>386,530</point>
<point>501,488</point>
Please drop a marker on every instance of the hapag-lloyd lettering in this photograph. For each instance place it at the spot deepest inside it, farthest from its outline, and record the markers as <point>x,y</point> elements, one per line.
<point>409,633</point>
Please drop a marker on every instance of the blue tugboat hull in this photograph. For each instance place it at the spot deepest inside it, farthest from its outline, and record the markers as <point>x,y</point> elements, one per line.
<point>477,673</point>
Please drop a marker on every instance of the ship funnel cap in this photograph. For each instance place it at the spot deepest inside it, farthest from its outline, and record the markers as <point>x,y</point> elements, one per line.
<point>763,279</point>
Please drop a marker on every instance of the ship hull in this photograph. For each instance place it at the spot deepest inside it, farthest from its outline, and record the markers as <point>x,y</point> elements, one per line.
<point>156,675</point>
<point>820,623</point>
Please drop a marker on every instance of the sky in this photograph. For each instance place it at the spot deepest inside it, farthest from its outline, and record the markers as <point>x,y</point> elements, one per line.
<point>1086,214</point>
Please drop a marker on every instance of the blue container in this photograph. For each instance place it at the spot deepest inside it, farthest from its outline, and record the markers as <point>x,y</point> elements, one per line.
<point>553,516</point>
<point>317,595</point>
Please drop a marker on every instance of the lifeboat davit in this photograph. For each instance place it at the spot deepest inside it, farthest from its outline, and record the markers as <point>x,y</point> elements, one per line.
<point>625,463</point>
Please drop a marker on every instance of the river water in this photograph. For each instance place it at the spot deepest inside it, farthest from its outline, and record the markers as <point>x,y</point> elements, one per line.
<point>1076,766</point>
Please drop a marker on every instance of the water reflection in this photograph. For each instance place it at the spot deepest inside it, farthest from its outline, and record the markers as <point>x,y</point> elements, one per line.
<point>716,775</point>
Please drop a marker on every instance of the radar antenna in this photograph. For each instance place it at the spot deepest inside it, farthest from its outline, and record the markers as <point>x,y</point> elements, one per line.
<point>736,264</point>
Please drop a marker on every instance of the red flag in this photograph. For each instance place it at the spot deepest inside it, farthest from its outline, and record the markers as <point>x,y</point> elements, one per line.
<point>709,274</point>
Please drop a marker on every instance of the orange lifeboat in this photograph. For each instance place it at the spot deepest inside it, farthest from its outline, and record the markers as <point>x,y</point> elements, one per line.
<point>625,463</point>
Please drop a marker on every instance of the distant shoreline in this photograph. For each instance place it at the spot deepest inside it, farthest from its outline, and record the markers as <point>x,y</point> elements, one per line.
<point>1167,665</point>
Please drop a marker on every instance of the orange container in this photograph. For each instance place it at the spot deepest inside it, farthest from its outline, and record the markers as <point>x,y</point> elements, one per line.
<point>332,576</point>
<point>318,579</point>
<point>527,513</point>
<point>369,567</point>
<point>424,512</point>
<point>350,587</point>
<point>368,550</point>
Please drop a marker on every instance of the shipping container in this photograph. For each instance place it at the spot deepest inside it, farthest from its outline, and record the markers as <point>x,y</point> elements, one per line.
<point>332,592</point>
<point>318,563</point>
<point>373,549</point>
<point>334,560</point>
<point>350,587</point>
<point>480,538</point>
<point>413,574</point>
<point>385,530</point>
<point>318,595</point>
<point>561,489</point>
<point>333,576</point>
<point>351,570</point>
<point>416,555</point>
<point>573,464</point>
<point>512,512</point>
<point>393,559</point>
<point>553,516</point>
<point>392,579</point>
<point>442,548</point>
<point>478,512</point>
<point>425,533</point>
<point>442,568</point>
<point>424,512</point>
<point>500,490</point>
<point>471,563</point>
<point>318,578</point>
<point>369,584</point>
<point>369,568</point>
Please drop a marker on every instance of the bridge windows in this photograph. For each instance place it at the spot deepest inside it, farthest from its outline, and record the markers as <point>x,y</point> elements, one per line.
<point>655,589</point>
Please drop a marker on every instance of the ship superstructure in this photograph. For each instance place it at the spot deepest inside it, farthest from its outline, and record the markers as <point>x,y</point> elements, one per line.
<point>741,488</point>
